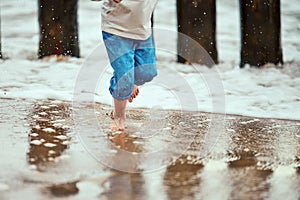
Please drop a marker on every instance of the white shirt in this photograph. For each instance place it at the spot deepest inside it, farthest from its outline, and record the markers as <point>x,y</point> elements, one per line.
<point>129,18</point>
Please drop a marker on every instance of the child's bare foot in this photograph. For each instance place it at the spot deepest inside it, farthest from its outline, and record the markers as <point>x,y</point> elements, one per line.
<point>134,94</point>
<point>118,125</point>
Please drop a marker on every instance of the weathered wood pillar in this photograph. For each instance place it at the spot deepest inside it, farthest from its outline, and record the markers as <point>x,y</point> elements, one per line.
<point>260,32</point>
<point>196,19</point>
<point>152,20</point>
<point>58,28</point>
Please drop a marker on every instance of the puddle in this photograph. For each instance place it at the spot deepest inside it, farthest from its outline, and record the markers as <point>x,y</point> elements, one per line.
<point>43,156</point>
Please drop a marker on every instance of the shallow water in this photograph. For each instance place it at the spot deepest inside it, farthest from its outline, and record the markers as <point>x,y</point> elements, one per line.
<point>53,150</point>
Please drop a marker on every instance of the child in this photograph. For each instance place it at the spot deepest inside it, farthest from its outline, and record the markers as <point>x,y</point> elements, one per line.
<point>127,35</point>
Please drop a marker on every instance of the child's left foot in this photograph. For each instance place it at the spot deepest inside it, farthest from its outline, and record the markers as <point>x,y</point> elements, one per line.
<point>118,125</point>
<point>116,128</point>
<point>134,94</point>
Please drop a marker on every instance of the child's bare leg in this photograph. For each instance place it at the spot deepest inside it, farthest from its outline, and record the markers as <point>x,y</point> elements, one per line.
<point>119,115</point>
<point>135,92</point>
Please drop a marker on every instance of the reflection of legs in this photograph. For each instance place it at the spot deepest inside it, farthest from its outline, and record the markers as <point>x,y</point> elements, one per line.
<point>119,115</point>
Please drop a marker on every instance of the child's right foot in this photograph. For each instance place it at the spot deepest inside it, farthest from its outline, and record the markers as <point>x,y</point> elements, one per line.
<point>134,94</point>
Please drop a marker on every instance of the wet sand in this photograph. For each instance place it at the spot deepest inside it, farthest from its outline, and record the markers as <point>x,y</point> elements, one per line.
<point>49,151</point>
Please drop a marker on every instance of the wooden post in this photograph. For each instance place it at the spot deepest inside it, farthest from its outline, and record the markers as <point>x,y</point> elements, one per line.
<point>152,20</point>
<point>260,32</point>
<point>58,28</point>
<point>196,19</point>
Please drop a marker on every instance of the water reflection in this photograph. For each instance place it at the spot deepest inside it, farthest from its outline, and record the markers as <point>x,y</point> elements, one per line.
<point>251,154</point>
<point>48,137</point>
<point>123,185</point>
<point>182,179</point>
<point>125,141</point>
<point>63,190</point>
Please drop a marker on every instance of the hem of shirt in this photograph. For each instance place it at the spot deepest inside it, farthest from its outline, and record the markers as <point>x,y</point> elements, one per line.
<point>126,34</point>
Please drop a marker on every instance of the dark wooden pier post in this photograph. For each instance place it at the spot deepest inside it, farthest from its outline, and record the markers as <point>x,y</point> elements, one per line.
<point>196,19</point>
<point>58,28</point>
<point>260,32</point>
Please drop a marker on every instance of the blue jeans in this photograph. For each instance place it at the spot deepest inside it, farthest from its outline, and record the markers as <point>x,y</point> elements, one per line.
<point>133,62</point>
